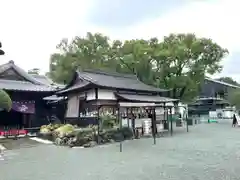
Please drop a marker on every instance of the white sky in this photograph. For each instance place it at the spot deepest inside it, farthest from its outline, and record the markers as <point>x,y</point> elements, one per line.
<point>30,29</point>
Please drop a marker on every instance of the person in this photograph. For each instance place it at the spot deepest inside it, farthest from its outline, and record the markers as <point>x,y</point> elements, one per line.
<point>234,121</point>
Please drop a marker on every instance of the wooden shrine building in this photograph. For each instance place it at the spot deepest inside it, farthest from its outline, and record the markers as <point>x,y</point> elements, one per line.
<point>91,87</point>
<point>27,93</point>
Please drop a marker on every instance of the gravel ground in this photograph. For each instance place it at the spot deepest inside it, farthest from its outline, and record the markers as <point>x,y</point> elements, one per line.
<point>23,142</point>
<point>208,151</point>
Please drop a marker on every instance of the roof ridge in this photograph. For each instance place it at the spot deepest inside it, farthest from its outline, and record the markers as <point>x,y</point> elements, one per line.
<point>109,73</point>
<point>221,82</point>
<point>19,70</point>
<point>19,81</point>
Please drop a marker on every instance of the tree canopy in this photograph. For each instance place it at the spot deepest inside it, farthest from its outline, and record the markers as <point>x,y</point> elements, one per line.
<point>5,101</point>
<point>229,80</point>
<point>34,71</point>
<point>179,62</point>
<point>234,98</point>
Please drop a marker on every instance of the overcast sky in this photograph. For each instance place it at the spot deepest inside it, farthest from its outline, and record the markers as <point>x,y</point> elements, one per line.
<point>31,29</point>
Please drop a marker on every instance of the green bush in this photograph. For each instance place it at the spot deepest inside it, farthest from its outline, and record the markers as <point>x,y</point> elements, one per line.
<point>5,101</point>
<point>108,121</point>
<point>126,132</point>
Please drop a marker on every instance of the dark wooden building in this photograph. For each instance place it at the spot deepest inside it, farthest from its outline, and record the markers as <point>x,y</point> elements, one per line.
<point>27,93</point>
<point>212,96</point>
<point>97,87</point>
<point>214,88</point>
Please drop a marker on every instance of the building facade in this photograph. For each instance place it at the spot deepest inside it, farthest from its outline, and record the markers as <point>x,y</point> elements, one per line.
<point>27,93</point>
<point>92,88</point>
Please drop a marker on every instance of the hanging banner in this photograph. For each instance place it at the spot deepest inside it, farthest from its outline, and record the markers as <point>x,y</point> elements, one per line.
<point>27,107</point>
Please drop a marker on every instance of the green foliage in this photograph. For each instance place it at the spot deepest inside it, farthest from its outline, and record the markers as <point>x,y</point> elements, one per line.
<point>179,62</point>
<point>34,71</point>
<point>108,121</point>
<point>234,98</point>
<point>5,101</point>
<point>229,80</point>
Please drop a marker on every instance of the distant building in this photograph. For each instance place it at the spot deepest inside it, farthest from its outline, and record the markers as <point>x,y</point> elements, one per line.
<point>216,89</point>
<point>212,97</point>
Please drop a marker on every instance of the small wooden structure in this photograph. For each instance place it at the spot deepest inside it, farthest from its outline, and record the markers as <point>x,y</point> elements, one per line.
<point>92,93</point>
<point>88,88</point>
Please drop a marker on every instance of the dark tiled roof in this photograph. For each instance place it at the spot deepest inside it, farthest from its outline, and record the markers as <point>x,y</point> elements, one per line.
<point>221,82</point>
<point>47,81</point>
<point>145,98</point>
<point>23,86</point>
<point>117,80</point>
<point>78,85</point>
<point>53,98</point>
<point>21,72</point>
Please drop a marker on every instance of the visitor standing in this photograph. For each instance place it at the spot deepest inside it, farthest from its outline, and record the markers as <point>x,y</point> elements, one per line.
<point>234,121</point>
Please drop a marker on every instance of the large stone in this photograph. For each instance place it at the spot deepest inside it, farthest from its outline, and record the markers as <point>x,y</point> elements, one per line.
<point>58,141</point>
<point>90,144</point>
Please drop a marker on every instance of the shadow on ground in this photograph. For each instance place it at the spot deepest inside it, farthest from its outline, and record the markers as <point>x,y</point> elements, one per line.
<point>24,142</point>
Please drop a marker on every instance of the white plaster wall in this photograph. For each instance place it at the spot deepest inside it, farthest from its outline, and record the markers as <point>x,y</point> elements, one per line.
<point>72,106</point>
<point>104,94</point>
<point>91,94</point>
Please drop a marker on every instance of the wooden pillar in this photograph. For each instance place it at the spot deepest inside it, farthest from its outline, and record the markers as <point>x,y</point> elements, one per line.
<point>171,123</point>
<point>164,114</point>
<point>127,114</point>
<point>98,123</point>
<point>97,118</point>
<point>120,126</point>
<point>154,124</point>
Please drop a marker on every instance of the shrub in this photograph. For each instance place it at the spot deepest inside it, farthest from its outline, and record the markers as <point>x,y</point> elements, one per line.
<point>5,101</point>
<point>108,121</point>
<point>126,132</point>
<point>67,128</point>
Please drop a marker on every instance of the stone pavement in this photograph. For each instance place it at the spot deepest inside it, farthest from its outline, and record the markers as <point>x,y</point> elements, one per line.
<point>22,142</point>
<point>208,151</point>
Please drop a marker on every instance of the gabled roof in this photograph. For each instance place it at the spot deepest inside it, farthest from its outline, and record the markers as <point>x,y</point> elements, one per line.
<point>27,82</point>
<point>47,81</point>
<point>110,80</point>
<point>21,72</point>
<point>221,82</point>
<point>145,98</point>
<point>24,86</point>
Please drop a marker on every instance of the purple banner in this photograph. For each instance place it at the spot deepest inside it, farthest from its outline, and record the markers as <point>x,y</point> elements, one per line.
<point>24,106</point>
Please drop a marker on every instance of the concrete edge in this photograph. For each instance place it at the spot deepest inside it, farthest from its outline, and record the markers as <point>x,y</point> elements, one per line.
<point>2,148</point>
<point>41,140</point>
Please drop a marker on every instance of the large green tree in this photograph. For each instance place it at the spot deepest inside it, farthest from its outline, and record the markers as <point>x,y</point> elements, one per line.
<point>34,71</point>
<point>183,60</point>
<point>179,62</point>
<point>234,98</point>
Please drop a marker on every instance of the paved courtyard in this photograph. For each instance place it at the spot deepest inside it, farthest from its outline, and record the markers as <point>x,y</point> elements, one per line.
<point>208,151</point>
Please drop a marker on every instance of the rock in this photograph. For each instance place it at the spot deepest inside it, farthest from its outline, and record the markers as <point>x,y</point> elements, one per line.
<point>111,141</point>
<point>58,141</point>
<point>90,144</point>
<point>71,141</point>
<point>65,140</point>
<point>70,135</point>
<point>61,135</point>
